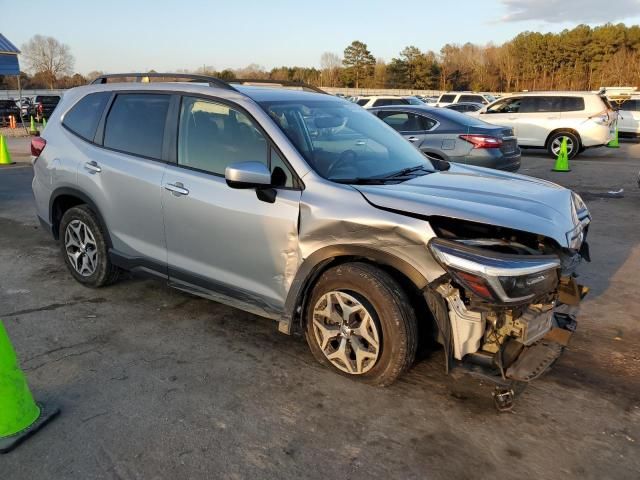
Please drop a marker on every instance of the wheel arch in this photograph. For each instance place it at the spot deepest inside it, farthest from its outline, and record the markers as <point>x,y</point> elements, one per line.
<point>317,263</point>
<point>64,198</point>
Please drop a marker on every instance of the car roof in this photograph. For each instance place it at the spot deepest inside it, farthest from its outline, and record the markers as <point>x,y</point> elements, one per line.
<point>274,94</point>
<point>238,92</point>
<point>553,94</point>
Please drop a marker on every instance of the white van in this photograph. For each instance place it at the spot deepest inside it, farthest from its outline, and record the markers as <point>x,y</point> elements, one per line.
<point>544,119</point>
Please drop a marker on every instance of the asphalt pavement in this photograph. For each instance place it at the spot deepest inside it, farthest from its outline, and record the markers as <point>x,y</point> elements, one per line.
<point>155,383</point>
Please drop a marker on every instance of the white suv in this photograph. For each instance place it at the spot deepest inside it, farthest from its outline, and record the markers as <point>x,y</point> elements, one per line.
<point>543,119</point>
<point>629,117</point>
<point>384,100</point>
<point>459,97</point>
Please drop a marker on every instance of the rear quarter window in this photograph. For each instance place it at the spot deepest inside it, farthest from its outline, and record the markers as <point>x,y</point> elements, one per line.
<point>84,116</point>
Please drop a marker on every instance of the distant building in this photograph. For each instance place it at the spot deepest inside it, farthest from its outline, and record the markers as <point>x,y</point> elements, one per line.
<point>8,57</point>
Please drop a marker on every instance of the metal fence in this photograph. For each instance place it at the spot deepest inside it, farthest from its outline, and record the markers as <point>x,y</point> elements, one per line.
<point>13,94</point>
<point>380,91</point>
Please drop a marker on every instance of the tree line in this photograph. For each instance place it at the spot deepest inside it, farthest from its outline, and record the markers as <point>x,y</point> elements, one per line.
<point>582,58</point>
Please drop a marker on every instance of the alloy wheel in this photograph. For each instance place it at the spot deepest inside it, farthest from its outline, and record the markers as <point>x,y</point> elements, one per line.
<point>81,248</point>
<point>346,332</point>
<point>557,143</point>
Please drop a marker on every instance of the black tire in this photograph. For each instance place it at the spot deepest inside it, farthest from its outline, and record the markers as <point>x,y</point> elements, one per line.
<point>105,272</point>
<point>573,144</point>
<point>390,309</point>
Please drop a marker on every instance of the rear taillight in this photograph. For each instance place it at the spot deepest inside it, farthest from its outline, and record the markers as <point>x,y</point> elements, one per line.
<point>482,141</point>
<point>37,146</point>
<point>601,117</point>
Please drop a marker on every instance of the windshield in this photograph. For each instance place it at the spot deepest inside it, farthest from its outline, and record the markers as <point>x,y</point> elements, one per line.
<point>343,142</point>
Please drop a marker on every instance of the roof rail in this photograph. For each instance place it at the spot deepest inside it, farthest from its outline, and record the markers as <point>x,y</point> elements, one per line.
<point>276,83</point>
<point>144,78</point>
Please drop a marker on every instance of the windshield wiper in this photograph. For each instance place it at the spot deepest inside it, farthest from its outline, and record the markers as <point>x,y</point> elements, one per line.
<point>366,181</point>
<point>406,171</point>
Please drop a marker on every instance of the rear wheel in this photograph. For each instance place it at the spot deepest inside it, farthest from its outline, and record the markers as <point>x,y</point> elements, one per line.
<point>360,323</point>
<point>85,249</point>
<point>555,142</point>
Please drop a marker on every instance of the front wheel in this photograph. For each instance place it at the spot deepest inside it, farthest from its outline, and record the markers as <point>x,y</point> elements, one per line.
<point>555,142</point>
<point>360,322</point>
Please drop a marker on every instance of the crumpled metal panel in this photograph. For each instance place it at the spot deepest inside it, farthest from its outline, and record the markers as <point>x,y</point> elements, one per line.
<point>485,196</point>
<point>350,220</point>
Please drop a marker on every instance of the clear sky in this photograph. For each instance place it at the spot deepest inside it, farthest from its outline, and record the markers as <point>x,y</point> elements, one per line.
<point>120,35</point>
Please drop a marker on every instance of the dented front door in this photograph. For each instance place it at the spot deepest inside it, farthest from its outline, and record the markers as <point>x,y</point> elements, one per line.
<point>229,243</point>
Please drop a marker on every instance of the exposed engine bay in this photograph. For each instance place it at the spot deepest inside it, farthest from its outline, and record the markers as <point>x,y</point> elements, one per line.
<point>506,307</point>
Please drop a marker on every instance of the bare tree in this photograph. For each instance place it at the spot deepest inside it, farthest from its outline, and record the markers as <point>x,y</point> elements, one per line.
<point>48,56</point>
<point>330,63</point>
<point>91,76</point>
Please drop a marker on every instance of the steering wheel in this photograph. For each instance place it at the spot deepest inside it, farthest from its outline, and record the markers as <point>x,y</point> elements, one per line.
<point>346,159</point>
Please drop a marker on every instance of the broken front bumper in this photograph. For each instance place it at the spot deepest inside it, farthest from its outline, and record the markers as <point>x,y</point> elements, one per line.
<point>537,358</point>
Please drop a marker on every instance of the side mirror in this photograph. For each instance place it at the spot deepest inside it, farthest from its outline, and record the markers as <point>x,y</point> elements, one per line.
<point>248,175</point>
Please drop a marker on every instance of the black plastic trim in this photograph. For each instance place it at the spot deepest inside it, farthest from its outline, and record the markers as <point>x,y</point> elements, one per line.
<point>85,199</point>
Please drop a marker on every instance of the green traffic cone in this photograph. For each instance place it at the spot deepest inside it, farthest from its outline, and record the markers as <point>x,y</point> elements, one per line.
<point>614,141</point>
<point>32,127</point>
<point>5,156</point>
<point>562,162</point>
<point>20,415</point>
<point>44,123</point>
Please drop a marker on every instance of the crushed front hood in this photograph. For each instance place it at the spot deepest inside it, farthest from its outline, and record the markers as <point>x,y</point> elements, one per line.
<point>482,195</point>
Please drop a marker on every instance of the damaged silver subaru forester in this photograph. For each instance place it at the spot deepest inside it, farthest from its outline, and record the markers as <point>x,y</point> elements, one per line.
<point>307,209</point>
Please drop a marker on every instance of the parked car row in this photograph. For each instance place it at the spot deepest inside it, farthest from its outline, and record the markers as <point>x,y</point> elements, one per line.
<point>306,209</point>
<point>40,106</point>
<point>539,120</point>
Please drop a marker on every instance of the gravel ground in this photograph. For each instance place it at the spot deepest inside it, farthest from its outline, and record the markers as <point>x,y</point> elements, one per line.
<point>155,383</point>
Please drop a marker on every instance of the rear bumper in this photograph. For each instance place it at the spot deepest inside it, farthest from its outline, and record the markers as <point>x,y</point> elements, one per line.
<point>494,158</point>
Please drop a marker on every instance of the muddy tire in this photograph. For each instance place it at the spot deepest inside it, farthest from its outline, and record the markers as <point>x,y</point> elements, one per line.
<point>360,323</point>
<point>84,248</point>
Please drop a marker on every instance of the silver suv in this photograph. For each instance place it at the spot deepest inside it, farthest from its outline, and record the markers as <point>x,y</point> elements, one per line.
<point>305,208</point>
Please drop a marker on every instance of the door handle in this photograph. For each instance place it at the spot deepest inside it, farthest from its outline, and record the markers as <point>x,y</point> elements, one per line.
<point>92,167</point>
<point>360,143</point>
<point>176,188</point>
<point>413,139</point>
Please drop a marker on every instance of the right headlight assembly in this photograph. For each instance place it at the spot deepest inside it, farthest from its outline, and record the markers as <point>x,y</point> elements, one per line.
<point>499,278</point>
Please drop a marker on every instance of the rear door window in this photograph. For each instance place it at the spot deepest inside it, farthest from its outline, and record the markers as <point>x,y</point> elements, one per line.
<point>471,98</point>
<point>405,121</point>
<point>447,98</point>
<point>543,104</point>
<point>571,104</point>
<point>84,116</point>
<point>135,124</point>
